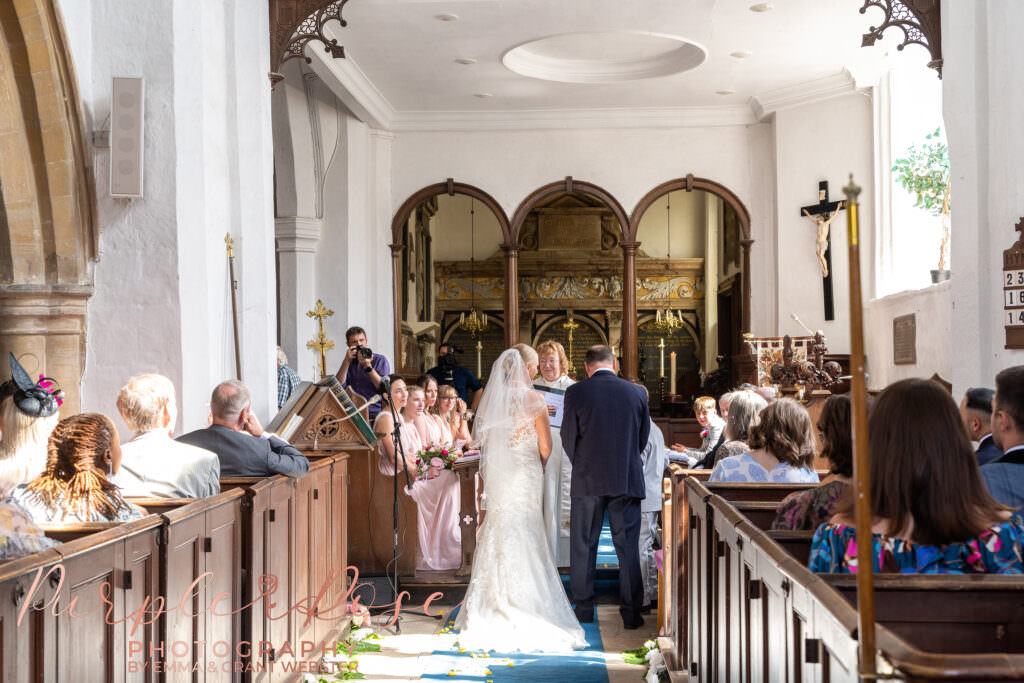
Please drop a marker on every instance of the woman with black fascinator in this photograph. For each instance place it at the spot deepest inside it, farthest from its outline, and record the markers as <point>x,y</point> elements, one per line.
<point>28,414</point>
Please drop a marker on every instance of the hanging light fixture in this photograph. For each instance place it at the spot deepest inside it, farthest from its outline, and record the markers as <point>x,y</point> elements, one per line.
<point>665,320</point>
<point>475,322</point>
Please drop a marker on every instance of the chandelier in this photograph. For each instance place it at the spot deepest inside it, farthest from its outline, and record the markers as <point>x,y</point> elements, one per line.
<point>666,320</point>
<point>476,321</point>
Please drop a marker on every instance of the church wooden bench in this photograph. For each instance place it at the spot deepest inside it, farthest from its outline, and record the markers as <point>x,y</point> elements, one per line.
<point>202,536</point>
<point>159,505</point>
<point>23,645</point>
<point>796,543</point>
<point>759,513</point>
<point>64,532</point>
<point>750,491</point>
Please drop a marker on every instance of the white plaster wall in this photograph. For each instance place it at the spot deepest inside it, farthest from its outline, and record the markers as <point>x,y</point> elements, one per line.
<point>933,314</point>
<point>687,220</point>
<point>821,141</point>
<point>135,314</point>
<point>450,229</point>
<point>161,302</point>
<point>982,105</point>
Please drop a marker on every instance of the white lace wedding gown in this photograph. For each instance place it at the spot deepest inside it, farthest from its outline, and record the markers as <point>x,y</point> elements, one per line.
<point>515,599</point>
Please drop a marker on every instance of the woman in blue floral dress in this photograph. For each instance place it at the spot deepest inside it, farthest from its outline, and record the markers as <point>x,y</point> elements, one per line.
<point>782,447</point>
<point>931,511</point>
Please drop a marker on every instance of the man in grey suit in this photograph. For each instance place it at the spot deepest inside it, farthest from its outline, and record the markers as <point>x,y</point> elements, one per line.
<point>655,459</point>
<point>238,439</point>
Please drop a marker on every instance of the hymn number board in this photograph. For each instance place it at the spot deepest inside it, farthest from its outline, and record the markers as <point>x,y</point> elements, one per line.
<point>1013,291</point>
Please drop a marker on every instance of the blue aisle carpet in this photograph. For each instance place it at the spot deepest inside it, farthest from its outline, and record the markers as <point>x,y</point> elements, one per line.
<point>534,667</point>
<point>606,557</point>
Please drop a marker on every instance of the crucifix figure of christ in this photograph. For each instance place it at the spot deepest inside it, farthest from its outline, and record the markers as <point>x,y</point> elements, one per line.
<point>822,214</point>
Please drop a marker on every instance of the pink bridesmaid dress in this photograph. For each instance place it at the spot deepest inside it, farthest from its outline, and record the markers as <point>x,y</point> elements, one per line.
<point>438,502</point>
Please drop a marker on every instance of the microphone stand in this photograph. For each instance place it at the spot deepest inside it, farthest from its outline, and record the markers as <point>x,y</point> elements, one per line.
<point>399,450</point>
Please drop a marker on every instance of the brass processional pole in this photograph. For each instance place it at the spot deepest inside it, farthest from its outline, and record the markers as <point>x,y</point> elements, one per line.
<point>861,466</point>
<point>233,285</point>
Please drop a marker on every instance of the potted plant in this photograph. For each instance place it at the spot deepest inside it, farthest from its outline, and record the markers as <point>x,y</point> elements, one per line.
<point>924,172</point>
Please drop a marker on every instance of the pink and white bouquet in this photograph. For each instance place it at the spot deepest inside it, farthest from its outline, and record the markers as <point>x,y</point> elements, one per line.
<point>434,458</point>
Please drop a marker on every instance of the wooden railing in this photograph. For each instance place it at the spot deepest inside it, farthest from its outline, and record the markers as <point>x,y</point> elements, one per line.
<point>180,594</point>
<point>742,605</point>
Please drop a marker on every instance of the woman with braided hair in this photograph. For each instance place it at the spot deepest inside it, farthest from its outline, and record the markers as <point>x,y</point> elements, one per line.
<point>82,452</point>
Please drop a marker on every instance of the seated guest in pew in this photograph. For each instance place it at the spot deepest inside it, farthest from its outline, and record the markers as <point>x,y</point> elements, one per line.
<point>700,458</point>
<point>807,510</point>
<point>976,413</point>
<point>436,493</point>
<point>447,403</point>
<point>28,414</point>
<point>19,535</point>
<point>1004,476</point>
<point>432,429</point>
<point>930,511</point>
<point>723,404</point>
<point>154,465</point>
<point>655,459</point>
<point>287,379</point>
<point>239,441</point>
<point>744,412</point>
<point>82,453</point>
<point>782,448</point>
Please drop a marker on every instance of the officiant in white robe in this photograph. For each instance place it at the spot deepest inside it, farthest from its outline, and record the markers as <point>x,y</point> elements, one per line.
<point>554,366</point>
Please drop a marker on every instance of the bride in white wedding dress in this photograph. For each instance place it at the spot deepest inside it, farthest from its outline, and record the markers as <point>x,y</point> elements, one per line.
<point>515,599</point>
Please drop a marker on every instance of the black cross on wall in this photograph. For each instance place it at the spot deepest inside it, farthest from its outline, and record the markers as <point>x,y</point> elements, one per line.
<point>823,207</point>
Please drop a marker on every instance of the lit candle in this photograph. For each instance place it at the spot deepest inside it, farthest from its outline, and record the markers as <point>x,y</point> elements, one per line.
<point>479,348</point>
<point>672,373</point>
<point>661,346</point>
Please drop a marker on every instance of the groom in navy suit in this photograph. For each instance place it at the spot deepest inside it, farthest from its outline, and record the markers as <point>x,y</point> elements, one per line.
<point>604,429</point>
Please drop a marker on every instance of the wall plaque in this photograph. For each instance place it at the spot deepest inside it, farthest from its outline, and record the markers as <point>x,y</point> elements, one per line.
<point>1013,291</point>
<point>569,231</point>
<point>904,340</point>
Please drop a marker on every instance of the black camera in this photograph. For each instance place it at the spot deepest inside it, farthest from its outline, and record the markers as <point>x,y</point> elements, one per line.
<point>364,351</point>
<point>448,360</point>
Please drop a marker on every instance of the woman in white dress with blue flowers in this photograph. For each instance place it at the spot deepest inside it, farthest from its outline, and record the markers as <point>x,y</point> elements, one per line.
<point>515,599</point>
<point>781,448</point>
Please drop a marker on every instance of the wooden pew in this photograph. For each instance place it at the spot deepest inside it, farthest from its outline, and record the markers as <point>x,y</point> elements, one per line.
<point>159,505</point>
<point>745,491</point>
<point>26,646</point>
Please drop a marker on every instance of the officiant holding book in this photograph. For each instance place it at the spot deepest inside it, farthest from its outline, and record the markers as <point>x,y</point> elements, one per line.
<point>552,383</point>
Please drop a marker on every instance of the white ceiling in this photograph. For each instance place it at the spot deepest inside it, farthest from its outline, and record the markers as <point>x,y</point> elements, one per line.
<point>405,57</point>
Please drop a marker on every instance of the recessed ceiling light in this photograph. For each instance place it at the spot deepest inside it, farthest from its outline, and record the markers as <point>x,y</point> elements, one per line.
<point>450,17</point>
<point>725,91</point>
<point>762,7</point>
<point>465,60</point>
<point>483,95</point>
<point>741,54</point>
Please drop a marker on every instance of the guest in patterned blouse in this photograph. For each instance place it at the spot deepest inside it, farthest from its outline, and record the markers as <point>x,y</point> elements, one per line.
<point>931,513</point>
<point>807,510</point>
<point>782,447</point>
<point>83,449</point>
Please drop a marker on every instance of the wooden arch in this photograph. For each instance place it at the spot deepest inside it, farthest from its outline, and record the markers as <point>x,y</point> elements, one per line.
<point>690,183</point>
<point>567,185</point>
<point>451,188</point>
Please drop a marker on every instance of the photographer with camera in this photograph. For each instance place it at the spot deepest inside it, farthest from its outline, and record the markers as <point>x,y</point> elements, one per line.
<point>362,368</point>
<point>449,372</point>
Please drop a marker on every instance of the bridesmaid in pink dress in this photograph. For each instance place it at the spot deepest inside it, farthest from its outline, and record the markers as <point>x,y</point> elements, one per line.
<point>437,495</point>
<point>433,430</point>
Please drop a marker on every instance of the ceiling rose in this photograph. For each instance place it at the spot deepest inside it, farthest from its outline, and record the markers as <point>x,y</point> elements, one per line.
<point>604,57</point>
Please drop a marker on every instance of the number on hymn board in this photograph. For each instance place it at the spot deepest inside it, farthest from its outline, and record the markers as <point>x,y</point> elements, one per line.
<point>1013,297</point>
<point>1015,318</point>
<point>1013,278</point>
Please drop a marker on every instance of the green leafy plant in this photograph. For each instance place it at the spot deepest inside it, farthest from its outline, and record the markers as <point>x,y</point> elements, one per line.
<point>923,171</point>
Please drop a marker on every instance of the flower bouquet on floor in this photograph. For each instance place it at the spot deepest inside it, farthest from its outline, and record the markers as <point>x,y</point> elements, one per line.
<point>434,458</point>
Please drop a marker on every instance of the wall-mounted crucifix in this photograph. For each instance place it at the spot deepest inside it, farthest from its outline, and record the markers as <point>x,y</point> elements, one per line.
<point>822,214</point>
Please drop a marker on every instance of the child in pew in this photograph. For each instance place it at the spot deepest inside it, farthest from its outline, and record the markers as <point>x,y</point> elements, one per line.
<point>807,510</point>
<point>82,451</point>
<point>931,514</point>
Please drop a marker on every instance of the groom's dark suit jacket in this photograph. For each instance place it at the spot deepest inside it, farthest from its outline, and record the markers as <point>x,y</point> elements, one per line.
<point>604,429</point>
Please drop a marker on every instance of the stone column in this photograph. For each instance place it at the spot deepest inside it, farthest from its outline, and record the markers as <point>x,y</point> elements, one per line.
<point>297,239</point>
<point>511,295</point>
<point>44,326</point>
<point>630,351</point>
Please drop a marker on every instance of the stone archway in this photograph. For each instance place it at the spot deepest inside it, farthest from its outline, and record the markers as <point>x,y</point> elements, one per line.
<point>47,200</point>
